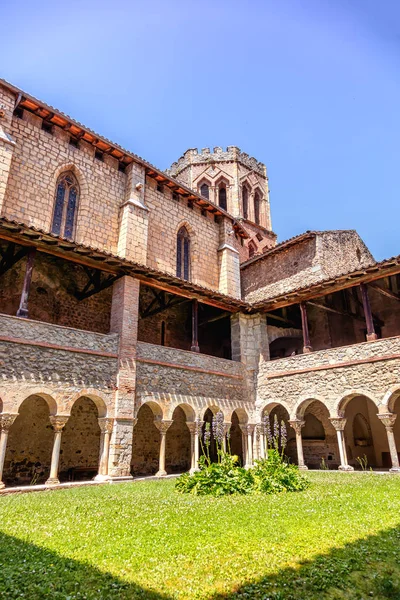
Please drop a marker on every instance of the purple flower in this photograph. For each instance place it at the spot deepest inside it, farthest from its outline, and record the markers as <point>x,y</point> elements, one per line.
<point>283,435</point>
<point>218,428</point>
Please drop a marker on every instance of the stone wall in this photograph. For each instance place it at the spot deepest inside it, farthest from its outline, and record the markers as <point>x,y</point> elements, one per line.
<point>63,361</point>
<point>370,369</point>
<point>171,377</point>
<point>314,257</point>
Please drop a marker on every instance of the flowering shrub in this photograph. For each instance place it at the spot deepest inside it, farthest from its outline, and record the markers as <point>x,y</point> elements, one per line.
<point>270,475</point>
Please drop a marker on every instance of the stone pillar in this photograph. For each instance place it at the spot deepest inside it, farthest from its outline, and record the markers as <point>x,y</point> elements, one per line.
<point>250,346</point>
<point>134,216</point>
<point>297,425</point>
<point>124,321</point>
<point>162,427</point>
<point>195,326</point>
<point>339,424</point>
<point>388,421</point>
<point>227,428</point>
<point>106,426</point>
<point>256,442</point>
<point>57,422</point>
<point>248,432</point>
<point>6,420</point>
<point>228,260</point>
<point>262,441</point>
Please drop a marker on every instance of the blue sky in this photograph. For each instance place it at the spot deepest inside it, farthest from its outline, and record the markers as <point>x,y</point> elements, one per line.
<point>309,87</point>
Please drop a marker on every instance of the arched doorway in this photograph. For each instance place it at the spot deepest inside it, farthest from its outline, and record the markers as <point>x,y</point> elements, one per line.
<point>364,435</point>
<point>146,443</point>
<point>278,415</point>
<point>30,444</point>
<point>285,346</point>
<point>80,442</point>
<point>236,436</point>
<point>178,443</point>
<point>212,448</point>
<point>319,438</point>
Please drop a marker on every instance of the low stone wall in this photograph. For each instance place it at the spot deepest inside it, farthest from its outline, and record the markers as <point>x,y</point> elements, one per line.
<point>64,361</point>
<point>171,377</point>
<point>46,333</point>
<point>370,368</point>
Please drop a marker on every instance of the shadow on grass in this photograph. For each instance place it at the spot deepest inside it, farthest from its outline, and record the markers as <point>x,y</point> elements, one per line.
<point>31,572</point>
<point>367,568</point>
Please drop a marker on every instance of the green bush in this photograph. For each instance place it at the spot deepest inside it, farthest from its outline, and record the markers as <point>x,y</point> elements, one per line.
<point>275,474</point>
<point>217,479</point>
<point>225,477</point>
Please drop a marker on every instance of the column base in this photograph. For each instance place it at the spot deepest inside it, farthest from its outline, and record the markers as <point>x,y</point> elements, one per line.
<point>117,478</point>
<point>22,312</point>
<point>248,467</point>
<point>302,467</point>
<point>392,470</point>
<point>52,481</point>
<point>307,349</point>
<point>195,348</point>
<point>161,473</point>
<point>345,468</point>
<point>102,477</point>
<point>371,337</point>
<point>194,470</point>
<point>2,485</point>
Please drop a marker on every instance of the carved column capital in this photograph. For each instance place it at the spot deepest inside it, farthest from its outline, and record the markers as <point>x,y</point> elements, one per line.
<point>6,420</point>
<point>163,426</point>
<point>192,426</point>
<point>105,424</point>
<point>297,425</point>
<point>339,423</point>
<point>247,428</point>
<point>58,422</point>
<point>388,420</point>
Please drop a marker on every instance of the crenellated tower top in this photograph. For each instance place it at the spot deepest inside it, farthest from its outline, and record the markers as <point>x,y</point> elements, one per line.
<point>235,181</point>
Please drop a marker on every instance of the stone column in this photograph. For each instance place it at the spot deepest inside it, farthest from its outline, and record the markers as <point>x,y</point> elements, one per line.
<point>297,425</point>
<point>248,433</point>
<point>23,305</point>
<point>162,427</point>
<point>57,422</point>
<point>388,420</point>
<point>339,424</point>
<point>257,442</point>
<point>194,445</point>
<point>262,441</point>
<point>106,426</point>
<point>6,420</point>
<point>228,260</point>
<point>124,321</point>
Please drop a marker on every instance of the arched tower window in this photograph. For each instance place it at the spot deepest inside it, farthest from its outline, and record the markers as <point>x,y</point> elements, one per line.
<point>252,249</point>
<point>222,196</point>
<point>245,200</point>
<point>65,206</point>
<point>205,190</point>
<point>257,204</point>
<point>183,254</point>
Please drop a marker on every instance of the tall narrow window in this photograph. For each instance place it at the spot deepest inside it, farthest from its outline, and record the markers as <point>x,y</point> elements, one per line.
<point>222,196</point>
<point>66,202</point>
<point>252,249</point>
<point>205,190</point>
<point>183,254</point>
<point>257,203</point>
<point>245,199</point>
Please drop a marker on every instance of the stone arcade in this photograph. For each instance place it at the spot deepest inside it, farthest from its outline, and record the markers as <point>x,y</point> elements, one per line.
<point>135,303</point>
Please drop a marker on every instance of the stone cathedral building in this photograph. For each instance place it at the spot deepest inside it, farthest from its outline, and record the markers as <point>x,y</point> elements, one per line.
<point>135,303</point>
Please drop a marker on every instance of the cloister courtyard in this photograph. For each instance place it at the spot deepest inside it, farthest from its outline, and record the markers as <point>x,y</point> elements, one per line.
<point>338,539</point>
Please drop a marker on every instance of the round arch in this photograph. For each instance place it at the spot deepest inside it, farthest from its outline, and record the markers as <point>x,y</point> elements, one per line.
<point>343,401</point>
<point>98,398</point>
<point>45,394</point>
<point>390,398</point>
<point>189,411</point>
<point>302,405</point>
<point>154,407</point>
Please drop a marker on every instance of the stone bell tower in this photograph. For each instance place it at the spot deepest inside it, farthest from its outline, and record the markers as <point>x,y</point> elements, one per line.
<point>236,182</point>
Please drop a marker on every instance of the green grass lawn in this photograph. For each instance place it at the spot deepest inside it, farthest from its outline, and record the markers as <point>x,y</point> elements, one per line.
<point>340,539</point>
